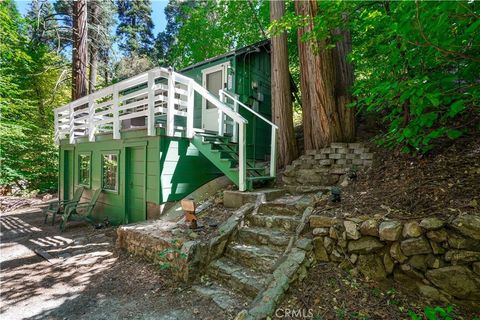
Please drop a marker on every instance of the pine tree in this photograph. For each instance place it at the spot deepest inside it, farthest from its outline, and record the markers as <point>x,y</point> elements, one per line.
<point>135,27</point>
<point>80,49</point>
<point>43,26</point>
<point>100,24</point>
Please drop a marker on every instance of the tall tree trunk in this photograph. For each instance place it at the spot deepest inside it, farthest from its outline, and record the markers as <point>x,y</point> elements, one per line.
<point>344,81</point>
<point>93,48</point>
<point>326,78</point>
<point>80,49</point>
<point>282,111</point>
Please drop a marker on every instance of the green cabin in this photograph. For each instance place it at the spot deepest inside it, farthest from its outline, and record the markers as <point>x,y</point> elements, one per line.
<point>158,136</point>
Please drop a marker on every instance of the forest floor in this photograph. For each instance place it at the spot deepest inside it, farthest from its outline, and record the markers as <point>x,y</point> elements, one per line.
<point>402,187</point>
<point>84,277</point>
<point>405,187</point>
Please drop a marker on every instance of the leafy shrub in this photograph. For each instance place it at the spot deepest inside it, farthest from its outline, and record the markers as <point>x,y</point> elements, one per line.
<point>417,67</point>
<point>437,313</point>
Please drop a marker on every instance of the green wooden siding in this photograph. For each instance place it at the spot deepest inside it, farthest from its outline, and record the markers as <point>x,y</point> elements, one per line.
<point>161,169</point>
<point>154,170</point>
<point>251,81</point>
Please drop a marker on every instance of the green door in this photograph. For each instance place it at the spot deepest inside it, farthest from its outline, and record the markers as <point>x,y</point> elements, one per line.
<point>135,184</point>
<point>68,174</point>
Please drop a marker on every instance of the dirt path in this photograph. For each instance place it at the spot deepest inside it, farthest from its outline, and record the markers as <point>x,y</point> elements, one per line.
<point>84,278</point>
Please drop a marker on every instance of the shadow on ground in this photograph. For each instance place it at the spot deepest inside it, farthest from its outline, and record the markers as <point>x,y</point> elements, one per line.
<point>84,277</point>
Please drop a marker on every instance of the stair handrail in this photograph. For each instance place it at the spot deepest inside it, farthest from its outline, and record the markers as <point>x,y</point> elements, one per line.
<point>235,116</point>
<point>273,146</point>
<point>248,108</point>
<point>213,99</point>
<point>80,117</point>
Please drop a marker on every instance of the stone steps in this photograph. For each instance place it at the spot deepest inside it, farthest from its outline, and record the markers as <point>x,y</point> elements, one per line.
<point>260,258</point>
<point>233,275</point>
<point>287,223</point>
<point>249,260</point>
<point>279,209</point>
<point>264,236</point>
<point>224,297</point>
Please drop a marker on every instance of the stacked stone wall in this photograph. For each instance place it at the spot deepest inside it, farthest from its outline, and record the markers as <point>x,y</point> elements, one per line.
<point>325,166</point>
<point>439,258</point>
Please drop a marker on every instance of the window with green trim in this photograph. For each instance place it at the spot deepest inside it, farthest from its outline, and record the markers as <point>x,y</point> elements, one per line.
<point>110,171</point>
<point>84,166</point>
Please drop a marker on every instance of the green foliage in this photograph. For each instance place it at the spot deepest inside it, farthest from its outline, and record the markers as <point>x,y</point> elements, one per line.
<point>210,28</point>
<point>135,27</point>
<point>437,313</point>
<point>173,258</point>
<point>417,66</point>
<point>28,73</point>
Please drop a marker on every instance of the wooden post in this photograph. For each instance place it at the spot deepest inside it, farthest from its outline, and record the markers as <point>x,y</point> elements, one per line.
<point>116,122</point>
<point>91,124</point>
<point>242,158</point>
<point>171,103</point>
<point>220,115</point>
<point>273,153</point>
<point>235,125</point>
<point>190,109</point>
<point>151,105</point>
<point>72,124</point>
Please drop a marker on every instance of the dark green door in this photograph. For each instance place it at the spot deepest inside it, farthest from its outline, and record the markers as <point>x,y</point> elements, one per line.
<point>68,174</point>
<point>135,184</point>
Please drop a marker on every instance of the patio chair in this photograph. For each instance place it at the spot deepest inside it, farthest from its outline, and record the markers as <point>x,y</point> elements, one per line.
<point>80,211</point>
<point>57,207</point>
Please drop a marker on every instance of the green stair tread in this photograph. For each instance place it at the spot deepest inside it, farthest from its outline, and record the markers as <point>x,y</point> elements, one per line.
<point>259,178</point>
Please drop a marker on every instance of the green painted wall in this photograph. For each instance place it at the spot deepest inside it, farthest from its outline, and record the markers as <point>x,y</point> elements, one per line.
<point>157,169</point>
<point>154,170</point>
<point>251,81</point>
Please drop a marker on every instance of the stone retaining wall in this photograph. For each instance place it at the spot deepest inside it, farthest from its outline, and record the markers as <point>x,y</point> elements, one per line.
<point>326,166</point>
<point>440,258</point>
<point>157,242</point>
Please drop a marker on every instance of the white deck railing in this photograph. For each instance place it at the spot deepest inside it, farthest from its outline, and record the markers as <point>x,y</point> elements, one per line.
<point>166,99</point>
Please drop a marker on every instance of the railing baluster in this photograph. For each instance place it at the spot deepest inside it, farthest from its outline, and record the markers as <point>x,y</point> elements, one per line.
<point>91,124</point>
<point>116,121</point>
<point>190,109</point>
<point>171,103</point>
<point>221,122</point>
<point>235,125</point>
<point>151,105</point>
<point>72,124</point>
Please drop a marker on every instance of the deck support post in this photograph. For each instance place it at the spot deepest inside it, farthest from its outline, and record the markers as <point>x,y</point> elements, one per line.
<point>171,103</point>
<point>151,104</point>
<point>242,158</point>
<point>116,121</point>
